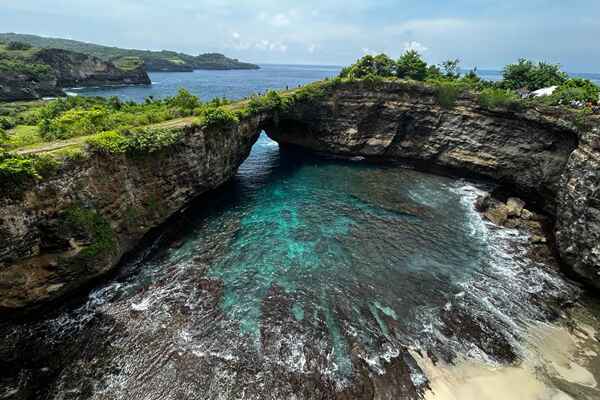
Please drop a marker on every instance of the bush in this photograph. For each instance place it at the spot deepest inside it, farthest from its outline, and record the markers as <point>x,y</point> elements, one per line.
<point>217,118</point>
<point>527,75</point>
<point>17,171</point>
<point>411,66</point>
<point>499,98</point>
<point>272,101</point>
<point>447,93</point>
<point>110,142</point>
<point>451,68</point>
<point>144,141</point>
<point>6,123</point>
<point>18,46</point>
<point>380,65</point>
<point>88,224</point>
<point>577,90</point>
<point>184,100</point>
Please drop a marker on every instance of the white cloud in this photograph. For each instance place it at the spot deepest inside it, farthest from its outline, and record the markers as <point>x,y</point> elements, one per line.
<point>416,46</point>
<point>279,20</point>
<point>271,46</point>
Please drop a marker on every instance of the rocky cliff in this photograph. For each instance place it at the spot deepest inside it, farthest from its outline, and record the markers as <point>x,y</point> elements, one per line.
<point>542,154</point>
<point>68,230</point>
<point>75,69</point>
<point>37,73</point>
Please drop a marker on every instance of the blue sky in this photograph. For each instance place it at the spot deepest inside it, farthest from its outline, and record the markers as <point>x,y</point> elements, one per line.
<point>482,33</point>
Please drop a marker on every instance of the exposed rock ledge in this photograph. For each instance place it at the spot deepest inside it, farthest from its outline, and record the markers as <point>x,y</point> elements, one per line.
<point>539,155</point>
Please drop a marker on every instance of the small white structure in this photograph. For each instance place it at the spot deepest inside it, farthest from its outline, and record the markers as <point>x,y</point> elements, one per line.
<point>543,92</point>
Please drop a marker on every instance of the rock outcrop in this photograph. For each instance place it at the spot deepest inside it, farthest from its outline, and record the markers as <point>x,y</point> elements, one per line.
<point>61,69</point>
<point>75,69</point>
<point>68,230</point>
<point>18,86</point>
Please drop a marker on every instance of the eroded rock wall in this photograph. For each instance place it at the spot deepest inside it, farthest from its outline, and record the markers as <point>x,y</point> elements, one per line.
<point>72,228</point>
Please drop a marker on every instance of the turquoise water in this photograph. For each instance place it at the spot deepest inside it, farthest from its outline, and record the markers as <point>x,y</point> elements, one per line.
<point>294,278</point>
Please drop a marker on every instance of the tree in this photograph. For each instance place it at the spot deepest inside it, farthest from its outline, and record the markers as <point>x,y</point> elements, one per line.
<point>184,100</point>
<point>525,74</point>
<point>411,66</point>
<point>434,72</point>
<point>451,68</point>
<point>380,65</point>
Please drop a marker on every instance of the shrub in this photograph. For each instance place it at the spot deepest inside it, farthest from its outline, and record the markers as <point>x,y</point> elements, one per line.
<point>6,123</point>
<point>451,68</point>
<point>91,226</point>
<point>411,66</point>
<point>217,118</point>
<point>184,100</point>
<point>17,171</point>
<point>271,101</point>
<point>447,93</point>
<point>77,122</point>
<point>577,90</point>
<point>499,98</point>
<point>144,141</point>
<point>527,75</point>
<point>380,65</point>
<point>110,142</point>
<point>18,46</point>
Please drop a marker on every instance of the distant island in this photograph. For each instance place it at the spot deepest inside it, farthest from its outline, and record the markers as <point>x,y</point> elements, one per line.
<point>154,61</point>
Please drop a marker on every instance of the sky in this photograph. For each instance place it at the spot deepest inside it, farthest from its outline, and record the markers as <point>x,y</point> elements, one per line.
<point>482,33</point>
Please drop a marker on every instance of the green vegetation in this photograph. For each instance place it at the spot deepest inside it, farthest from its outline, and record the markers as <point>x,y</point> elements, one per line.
<point>494,98</point>
<point>577,89</point>
<point>18,46</point>
<point>411,66</point>
<point>448,92</point>
<point>143,141</point>
<point>17,171</point>
<point>217,117</point>
<point>127,58</point>
<point>526,74</point>
<point>90,226</point>
<point>17,58</point>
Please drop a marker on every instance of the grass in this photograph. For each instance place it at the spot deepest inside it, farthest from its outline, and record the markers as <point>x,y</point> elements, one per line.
<point>22,136</point>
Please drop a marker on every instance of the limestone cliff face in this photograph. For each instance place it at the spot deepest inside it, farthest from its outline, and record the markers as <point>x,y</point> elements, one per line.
<point>70,229</point>
<point>15,86</point>
<point>537,154</point>
<point>76,69</point>
<point>403,121</point>
<point>67,69</point>
<point>578,213</point>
